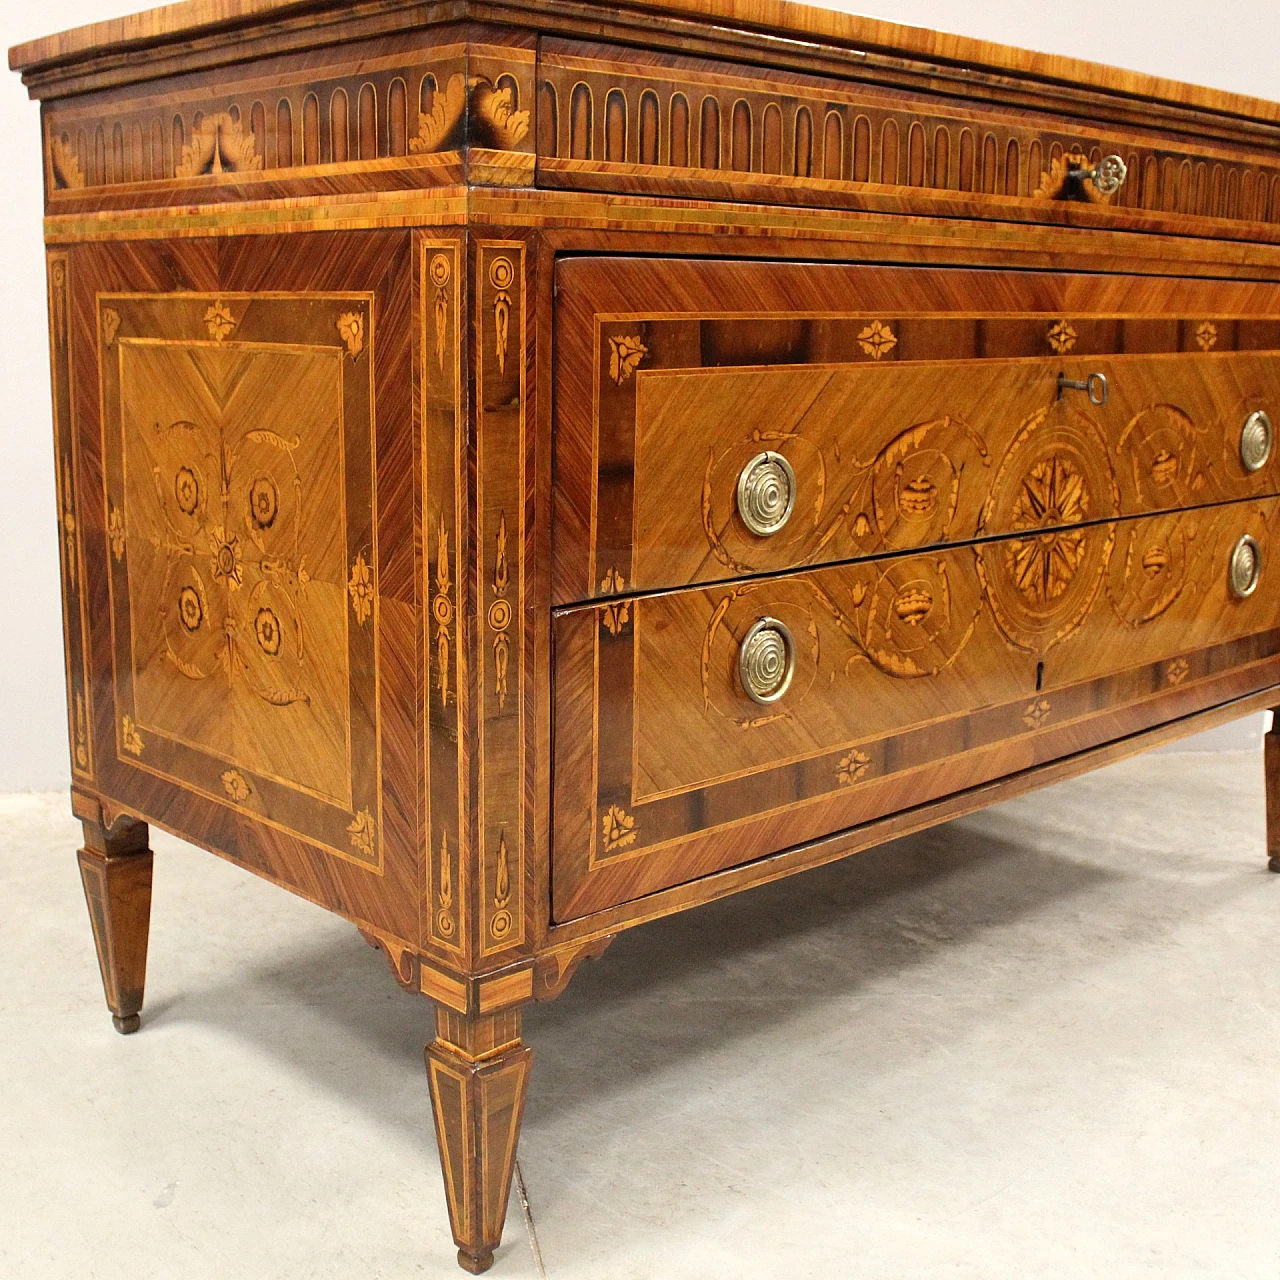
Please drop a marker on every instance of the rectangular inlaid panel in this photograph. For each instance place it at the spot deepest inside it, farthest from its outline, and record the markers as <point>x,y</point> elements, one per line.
<point>902,399</point>
<point>240,519</point>
<point>897,663</point>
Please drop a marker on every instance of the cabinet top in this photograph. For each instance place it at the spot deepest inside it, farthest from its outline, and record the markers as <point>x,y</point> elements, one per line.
<point>56,64</point>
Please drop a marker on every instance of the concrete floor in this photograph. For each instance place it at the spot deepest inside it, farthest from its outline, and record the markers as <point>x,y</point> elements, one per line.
<point>1040,1042</point>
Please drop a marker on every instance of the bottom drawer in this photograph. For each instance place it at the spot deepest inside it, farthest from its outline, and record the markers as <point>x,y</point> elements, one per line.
<point>885,683</point>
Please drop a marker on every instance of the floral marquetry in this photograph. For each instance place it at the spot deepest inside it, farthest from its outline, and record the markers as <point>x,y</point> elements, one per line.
<point>626,355</point>
<point>230,602</point>
<point>877,339</point>
<point>1061,336</point>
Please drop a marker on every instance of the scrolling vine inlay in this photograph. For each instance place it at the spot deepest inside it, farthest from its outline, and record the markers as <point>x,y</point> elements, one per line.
<point>234,485</point>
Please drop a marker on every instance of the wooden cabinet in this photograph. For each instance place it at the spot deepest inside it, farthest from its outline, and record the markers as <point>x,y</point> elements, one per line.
<point>526,470</point>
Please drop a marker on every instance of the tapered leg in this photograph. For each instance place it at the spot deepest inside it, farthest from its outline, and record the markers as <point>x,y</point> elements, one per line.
<point>478,1070</point>
<point>115,867</point>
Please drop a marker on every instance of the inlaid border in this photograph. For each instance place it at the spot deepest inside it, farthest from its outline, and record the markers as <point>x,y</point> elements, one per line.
<point>75,623</point>
<point>501,411</point>
<point>441,267</point>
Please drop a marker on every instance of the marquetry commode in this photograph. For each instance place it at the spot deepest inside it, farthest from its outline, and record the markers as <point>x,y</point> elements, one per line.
<point>525,469</point>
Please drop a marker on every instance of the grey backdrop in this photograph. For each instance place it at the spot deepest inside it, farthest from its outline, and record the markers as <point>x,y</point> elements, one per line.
<point>1230,44</point>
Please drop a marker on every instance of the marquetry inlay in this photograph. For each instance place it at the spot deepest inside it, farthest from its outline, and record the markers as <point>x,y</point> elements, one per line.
<point>805,138</point>
<point>399,108</point>
<point>244,582</point>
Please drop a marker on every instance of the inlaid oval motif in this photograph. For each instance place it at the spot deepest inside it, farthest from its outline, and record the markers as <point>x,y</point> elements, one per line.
<point>186,490</point>
<point>919,619</point>
<point>264,502</point>
<point>1149,567</point>
<point>1163,447</point>
<point>266,627</point>
<point>190,609</point>
<point>915,486</point>
<point>1055,477</point>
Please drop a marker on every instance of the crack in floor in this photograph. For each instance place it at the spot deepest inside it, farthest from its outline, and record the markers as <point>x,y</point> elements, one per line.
<point>534,1247</point>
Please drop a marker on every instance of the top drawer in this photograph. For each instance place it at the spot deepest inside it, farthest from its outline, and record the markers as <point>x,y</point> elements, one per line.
<point>621,119</point>
<point>717,419</point>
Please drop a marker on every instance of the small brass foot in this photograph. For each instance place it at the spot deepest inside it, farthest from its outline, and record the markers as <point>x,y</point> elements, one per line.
<point>127,1026</point>
<point>476,1263</point>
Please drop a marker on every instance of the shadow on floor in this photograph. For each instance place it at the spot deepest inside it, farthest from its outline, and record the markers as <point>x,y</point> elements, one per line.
<point>838,928</point>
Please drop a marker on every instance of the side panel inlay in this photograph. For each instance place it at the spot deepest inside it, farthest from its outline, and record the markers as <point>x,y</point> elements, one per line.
<point>244,602</point>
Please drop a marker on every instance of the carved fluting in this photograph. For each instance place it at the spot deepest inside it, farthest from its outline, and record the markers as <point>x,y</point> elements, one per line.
<point>794,132</point>
<point>359,122</point>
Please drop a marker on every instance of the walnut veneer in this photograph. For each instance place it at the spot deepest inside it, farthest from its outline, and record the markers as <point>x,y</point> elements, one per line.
<point>470,415</point>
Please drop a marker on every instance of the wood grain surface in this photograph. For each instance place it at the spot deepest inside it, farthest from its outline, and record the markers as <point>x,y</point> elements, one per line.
<point>406,359</point>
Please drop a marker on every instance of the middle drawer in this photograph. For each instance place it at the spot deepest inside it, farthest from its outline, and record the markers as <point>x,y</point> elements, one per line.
<point>742,471</point>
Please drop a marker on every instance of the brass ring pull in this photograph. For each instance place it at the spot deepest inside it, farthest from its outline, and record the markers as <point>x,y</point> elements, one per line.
<point>1095,385</point>
<point>1108,176</point>
<point>1246,568</point>
<point>766,493</point>
<point>1255,441</point>
<point>766,661</point>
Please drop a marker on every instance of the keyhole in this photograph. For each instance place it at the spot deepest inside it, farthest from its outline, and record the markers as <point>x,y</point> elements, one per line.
<point>1039,676</point>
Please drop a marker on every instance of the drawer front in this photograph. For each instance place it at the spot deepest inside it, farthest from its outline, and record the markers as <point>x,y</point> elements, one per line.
<point>993,655</point>
<point>755,418</point>
<point>613,118</point>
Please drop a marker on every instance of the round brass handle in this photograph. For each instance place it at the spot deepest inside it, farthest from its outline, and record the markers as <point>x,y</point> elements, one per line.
<point>1255,441</point>
<point>766,661</point>
<point>1246,567</point>
<point>766,493</point>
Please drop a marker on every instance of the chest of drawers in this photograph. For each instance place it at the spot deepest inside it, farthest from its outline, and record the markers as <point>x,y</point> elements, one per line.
<point>526,470</point>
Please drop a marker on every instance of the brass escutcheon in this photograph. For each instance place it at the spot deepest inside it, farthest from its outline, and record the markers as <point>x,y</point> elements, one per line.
<point>766,493</point>
<point>1246,567</point>
<point>766,661</point>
